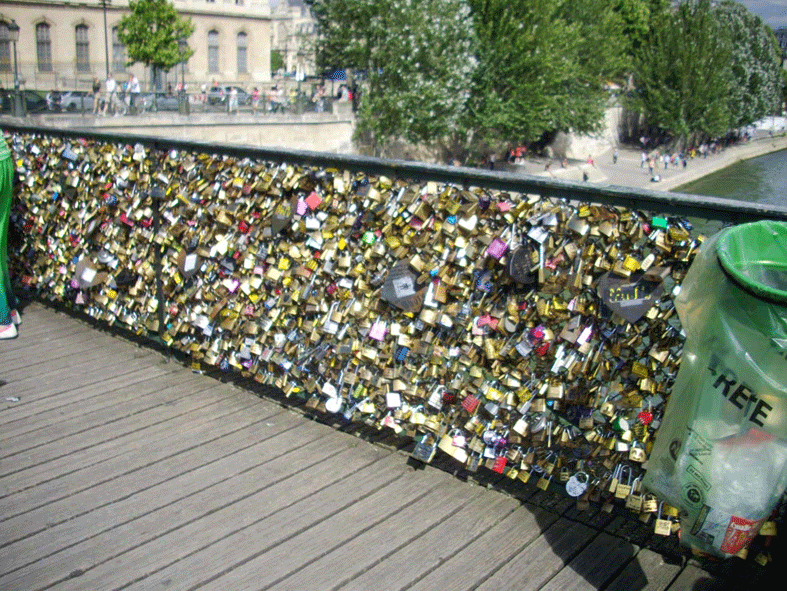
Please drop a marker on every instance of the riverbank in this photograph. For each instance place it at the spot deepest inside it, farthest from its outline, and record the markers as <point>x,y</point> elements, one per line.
<point>628,171</point>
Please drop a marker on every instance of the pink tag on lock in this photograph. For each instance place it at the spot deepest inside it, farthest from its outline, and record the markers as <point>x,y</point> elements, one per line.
<point>378,331</point>
<point>497,249</point>
<point>301,208</point>
<point>313,201</point>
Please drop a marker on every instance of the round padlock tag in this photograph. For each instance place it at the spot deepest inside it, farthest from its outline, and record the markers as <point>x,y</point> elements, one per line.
<point>577,484</point>
<point>333,404</point>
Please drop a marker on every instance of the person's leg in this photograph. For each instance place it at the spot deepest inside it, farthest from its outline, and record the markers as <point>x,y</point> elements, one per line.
<point>7,300</point>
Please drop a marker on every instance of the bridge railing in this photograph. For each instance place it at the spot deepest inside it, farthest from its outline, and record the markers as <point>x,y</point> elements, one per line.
<point>514,322</point>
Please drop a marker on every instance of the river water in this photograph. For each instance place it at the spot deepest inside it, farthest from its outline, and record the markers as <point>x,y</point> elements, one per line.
<point>762,179</point>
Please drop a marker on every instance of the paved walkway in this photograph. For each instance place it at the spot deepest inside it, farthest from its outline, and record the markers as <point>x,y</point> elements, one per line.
<point>120,470</point>
<point>628,172</point>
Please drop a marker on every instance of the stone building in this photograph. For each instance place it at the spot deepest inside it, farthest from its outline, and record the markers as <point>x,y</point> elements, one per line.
<point>63,44</point>
<point>293,33</point>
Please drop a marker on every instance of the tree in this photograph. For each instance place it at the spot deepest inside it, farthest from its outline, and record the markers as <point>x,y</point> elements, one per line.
<point>755,64</point>
<point>637,16</point>
<point>152,34</point>
<point>277,61</point>
<point>542,67</point>
<point>415,56</point>
<point>682,77</point>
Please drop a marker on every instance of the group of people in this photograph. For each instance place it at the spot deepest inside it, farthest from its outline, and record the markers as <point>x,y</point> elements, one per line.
<point>117,99</point>
<point>676,159</point>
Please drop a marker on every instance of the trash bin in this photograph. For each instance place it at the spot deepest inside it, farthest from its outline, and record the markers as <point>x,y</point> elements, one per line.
<point>721,451</point>
<point>183,104</point>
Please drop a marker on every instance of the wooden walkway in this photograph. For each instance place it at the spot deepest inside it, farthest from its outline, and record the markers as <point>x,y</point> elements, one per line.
<point>120,470</point>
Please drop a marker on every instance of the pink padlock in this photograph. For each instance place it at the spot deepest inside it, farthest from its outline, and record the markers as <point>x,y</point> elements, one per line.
<point>378,330</point>
<point>497,249</point>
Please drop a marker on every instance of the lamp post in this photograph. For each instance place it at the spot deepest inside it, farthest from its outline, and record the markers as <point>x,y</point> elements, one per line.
<point>106,36</point>
<point>17,107</point>
<point>183,101</point>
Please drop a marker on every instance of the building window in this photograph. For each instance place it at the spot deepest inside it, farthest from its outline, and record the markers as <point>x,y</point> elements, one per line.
<point>118,53</point>
<point>213,52</point>
<point>5,48</point>
<point>243,67</point>
<point>43,47</point>
<point>83,49</point>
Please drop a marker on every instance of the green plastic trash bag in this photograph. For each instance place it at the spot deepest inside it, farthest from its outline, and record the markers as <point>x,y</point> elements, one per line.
<point>721,451</point>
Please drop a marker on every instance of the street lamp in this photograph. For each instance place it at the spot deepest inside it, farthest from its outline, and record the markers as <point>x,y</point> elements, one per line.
<point>106,36</point>
<point>182,46</point>
<point>183,102</point>
<point>17,108</point>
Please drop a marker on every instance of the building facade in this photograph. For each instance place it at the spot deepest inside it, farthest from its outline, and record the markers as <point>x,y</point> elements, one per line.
<point>293,34</point>
<point>63,44</point>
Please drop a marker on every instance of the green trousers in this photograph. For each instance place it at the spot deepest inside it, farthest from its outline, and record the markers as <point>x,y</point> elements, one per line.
<point>7,299</point>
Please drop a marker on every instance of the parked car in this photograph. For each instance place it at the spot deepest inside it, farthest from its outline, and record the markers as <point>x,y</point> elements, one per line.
<point>71,101</point>
<point>218,95</point>
<point>158,102</point>
<point>34,102</point>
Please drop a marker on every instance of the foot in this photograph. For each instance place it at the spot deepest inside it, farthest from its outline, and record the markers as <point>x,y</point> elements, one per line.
<point>8,331</point>
<point>16,318</point>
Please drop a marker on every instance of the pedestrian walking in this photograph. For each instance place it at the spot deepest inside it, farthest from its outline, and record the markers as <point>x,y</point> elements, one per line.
<point>96,94</point>
<point>255,100</point>
<point>233,100</point>
<point>615,156</point>
<point>110,89</point>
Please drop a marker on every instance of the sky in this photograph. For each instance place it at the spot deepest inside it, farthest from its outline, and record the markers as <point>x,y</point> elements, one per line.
<point>772,12</point>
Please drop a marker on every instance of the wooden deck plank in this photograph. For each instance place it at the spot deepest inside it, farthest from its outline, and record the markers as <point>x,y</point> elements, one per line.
<point>40,322</point>
<point>594,566</point>
<point>410,504</point>
<point>92,409</point>
<point>100,359</point>
<point>43,344</point>
<point>646,572</point>
<point>369,547</point>
<point>127,380</point>
<point>73,481</point>
<point>41,349</point>
<point>693,578</point>
<point>488,553</point>
<point>201,423</point>
<point>540,560</point>
<point>207,546</point>
<point>148,515</point>
<point>400,568</point>
<point>49,504</point>
<point>172,398</point>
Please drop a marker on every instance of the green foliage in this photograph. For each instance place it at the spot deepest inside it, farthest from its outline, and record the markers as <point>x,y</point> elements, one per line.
<point>707,68</point>
<point>277,61</point>
<point>415,56</point>
<point>637,16</point>
<point>682,73</point>
<point>151,34</point>
<point>755,64</point>
<point>475,75</point>
<point>542,66</point>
